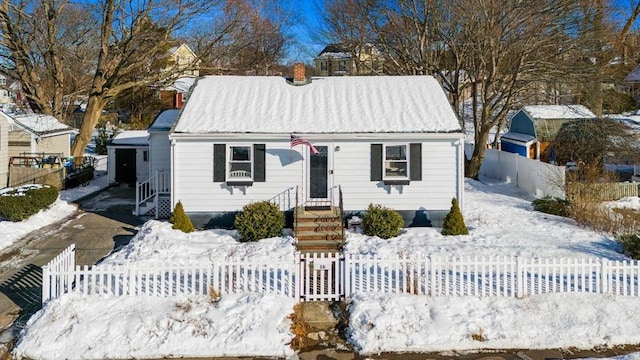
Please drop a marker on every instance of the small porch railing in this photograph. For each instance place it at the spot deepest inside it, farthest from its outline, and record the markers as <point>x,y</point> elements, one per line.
<point>148,190</point>
<point>283,199</point>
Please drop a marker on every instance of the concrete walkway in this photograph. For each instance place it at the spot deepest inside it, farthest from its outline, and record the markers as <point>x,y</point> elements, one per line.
<point>103,223</point>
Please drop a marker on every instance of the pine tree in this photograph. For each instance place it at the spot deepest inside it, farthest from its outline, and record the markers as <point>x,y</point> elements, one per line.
<point>180,220</point>
<point>454,222</point>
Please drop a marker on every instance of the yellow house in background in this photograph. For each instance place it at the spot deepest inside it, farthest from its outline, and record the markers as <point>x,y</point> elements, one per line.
<point>185,58</point>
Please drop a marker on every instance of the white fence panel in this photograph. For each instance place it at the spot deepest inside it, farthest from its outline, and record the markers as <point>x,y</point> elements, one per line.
<point>536,177</point>
<point>313,277</point>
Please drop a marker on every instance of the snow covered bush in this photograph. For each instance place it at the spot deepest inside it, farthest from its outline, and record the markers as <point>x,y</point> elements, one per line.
<point>454,222</point>
<point>259,220</point>
<point>180,220</point>
<point>381,222</point>
<point>17,204</point>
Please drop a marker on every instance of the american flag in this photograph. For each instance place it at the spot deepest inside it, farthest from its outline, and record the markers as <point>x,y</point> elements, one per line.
<point>297,140</point>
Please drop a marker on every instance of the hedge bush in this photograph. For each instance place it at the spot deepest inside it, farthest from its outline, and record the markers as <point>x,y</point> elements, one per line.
<point>553,206</point>
<point>630,245</point>
<point>454,222</point>
<point>381,222</point>
<point>180,219</point>
<point>20,203</point>
<point>259,220</point>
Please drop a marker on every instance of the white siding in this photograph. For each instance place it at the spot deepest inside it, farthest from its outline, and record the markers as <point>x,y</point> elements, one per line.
<point>193,177</point>
<point>285,167</point>
<point>434,192</point>
<point>159,152</point>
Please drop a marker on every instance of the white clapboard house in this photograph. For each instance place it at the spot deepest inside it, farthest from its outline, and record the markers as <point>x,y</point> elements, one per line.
<point>393,141</point>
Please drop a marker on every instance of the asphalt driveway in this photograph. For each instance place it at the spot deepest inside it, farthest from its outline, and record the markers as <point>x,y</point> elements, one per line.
<point>103,223</point>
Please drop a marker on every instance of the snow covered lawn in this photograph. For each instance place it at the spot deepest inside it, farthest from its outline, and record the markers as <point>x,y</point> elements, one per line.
<point>501,222</point>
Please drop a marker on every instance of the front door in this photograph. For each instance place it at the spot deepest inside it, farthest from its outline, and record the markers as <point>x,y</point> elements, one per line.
<point>126,166</point>
<point>318,179</point>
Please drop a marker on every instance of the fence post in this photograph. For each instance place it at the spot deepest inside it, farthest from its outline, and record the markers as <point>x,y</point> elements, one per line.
<point>46,284</point>
<point>432,276</point>
<point>604,269</point>
<point>137,198</point>
<point>155,193</point>
<point>298,274</point>
<point>346,275</point>
<point>520,277</point>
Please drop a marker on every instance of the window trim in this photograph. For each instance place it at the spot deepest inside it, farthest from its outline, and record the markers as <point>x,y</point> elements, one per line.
<point>400,180</point>
<point>239,180</point>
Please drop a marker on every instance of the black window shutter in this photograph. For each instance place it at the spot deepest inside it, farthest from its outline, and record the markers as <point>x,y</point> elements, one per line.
<point>219,162</point>
<point>376,162</point>
<point>415,157</point>
<point>258,162</point>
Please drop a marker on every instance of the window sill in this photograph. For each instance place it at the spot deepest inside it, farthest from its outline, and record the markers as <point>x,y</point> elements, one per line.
<point>396,182</point>
<point>240,183</point>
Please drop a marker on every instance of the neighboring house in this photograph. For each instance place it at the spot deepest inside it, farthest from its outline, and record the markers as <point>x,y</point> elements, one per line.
<point>184,57</point>
<point>534,127</point>
<point>337,60</point>
<point>5,92</point>
<point>175,95</point>
<point>128,157</point>
<point>393,141</point>
<point>633,80</point>
<point>36,134</point>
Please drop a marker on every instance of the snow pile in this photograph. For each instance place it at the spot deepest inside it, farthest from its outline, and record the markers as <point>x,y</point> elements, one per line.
<point>156,243</point>
<point>74,327</point>
<point>386,323</point>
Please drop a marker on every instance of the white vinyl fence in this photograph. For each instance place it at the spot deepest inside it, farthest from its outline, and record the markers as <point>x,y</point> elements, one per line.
<point>318,277</point>
<point>536,177</point>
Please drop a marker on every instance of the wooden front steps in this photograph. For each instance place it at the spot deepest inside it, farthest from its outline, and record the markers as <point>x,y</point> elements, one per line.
<point>318,230</point>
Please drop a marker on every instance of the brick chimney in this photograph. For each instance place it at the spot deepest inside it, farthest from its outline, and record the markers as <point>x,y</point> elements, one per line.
<point>298,74</point>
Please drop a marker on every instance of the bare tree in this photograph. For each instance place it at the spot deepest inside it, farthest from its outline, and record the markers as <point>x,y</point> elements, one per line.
<point>125,44</point>
<point>46,50</point>
<point>257,43</point>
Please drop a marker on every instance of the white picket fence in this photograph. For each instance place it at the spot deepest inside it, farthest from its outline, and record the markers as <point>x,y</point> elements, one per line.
<point>318,277</point>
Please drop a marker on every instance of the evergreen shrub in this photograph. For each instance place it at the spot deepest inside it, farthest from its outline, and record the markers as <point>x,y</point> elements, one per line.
<point>180,220</point>
<point>259,220</point>
<point>454,222</point>
<point>381,222</point>
<point>630,245</point>
<point>20,203</point>
<point>553,206</point>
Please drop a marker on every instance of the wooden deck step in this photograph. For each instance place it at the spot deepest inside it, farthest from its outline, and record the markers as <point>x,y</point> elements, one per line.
<point>318,229</point>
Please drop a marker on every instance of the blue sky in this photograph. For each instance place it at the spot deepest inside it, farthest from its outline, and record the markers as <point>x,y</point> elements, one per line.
<point>308,17</point>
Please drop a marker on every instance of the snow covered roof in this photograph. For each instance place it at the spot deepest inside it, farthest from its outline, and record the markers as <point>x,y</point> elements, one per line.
<point>165,120</point>
<point>334,51</point>
<point>525,138</point>
<point>359,104</point>
<point>38,124</point>
<point>182,85</point>
<point>132,137</point>
<point>334,55</point>
<point>634,75</point>
<point>559,112</point>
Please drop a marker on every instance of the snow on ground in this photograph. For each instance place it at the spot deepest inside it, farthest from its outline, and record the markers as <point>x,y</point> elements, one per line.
<point>11,232</point>
<point>501,222</point>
